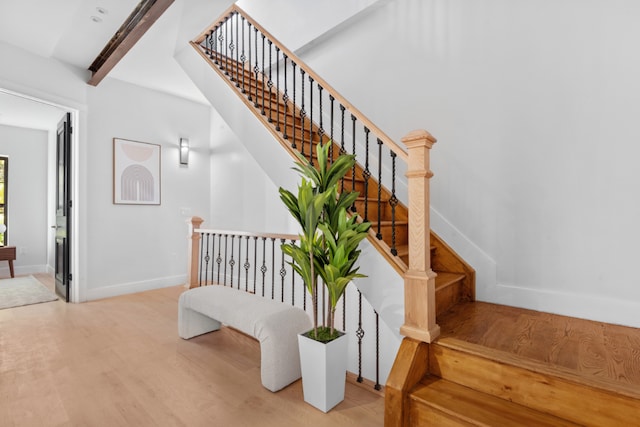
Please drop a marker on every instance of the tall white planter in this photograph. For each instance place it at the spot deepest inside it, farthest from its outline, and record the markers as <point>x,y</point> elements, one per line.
<point>324,371</point>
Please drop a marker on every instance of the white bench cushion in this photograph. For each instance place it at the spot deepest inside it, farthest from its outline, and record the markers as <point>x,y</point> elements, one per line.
<point>274,324</point>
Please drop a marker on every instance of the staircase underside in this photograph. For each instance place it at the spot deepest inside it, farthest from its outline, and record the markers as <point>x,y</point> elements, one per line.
<point>496,365</point>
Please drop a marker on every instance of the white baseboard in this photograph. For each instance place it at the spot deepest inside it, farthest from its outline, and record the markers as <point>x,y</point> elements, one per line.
<point>133,287</point>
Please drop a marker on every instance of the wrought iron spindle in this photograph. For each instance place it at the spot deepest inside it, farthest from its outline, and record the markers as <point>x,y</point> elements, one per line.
<point>213,250</point>
<point>293,281</point>
<point>366,174</point>
<point>239,260</point>
<point>353,169</point>
<point>243,57</point>
<point>360,335</point>
<point>311,120</point>
<point>203,249</point>
<point>237,49</point>
<point>226,48</point>
<point>263,77</point>
<point>344,311</point>
<point>270,85</point>
<point>255,262</point>
<point>393,201</point>
<point>332,100</point>
<point>321,127</point>
<point>249,25</point>
<point>232,261</point>
<point>209,44</point>
<point>224,277</point>
<point>377,386</point>
<point>273,267</point>
<point>277,88</point>
<point>283,273</point>
<point>285,97</point>
<point>293,119</point>
<point>263,269</point>
<point>219,258</point>
<point>342,150</point>
<point>303,113</point>
<point>256,69</point>
<point>379,232</point>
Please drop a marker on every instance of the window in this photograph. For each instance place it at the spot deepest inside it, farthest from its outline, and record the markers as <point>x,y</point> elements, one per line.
<point>4,173</point>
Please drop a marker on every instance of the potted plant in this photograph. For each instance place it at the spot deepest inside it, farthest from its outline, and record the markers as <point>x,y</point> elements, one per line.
<point>328,250</point>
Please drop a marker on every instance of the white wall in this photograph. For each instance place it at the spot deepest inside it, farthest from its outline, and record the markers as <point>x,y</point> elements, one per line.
<point>27,197</point>
<point>132,247</point>
<point>534,107</point>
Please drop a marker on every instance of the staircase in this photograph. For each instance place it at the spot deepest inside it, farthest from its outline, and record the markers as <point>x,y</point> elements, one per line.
<point>455,379</point>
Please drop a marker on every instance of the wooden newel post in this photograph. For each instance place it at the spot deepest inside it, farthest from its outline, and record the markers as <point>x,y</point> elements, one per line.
<point>193,252</point>
<point>420,280</point>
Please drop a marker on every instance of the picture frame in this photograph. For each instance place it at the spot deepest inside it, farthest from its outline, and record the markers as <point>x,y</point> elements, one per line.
<point>136,172</point>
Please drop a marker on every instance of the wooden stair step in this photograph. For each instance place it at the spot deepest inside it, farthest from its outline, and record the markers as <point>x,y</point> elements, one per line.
<point>537,385</point>
<point>437,402</point>
<point>446,279</point>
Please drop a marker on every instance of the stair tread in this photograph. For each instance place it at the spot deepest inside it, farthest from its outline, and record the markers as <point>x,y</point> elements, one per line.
<point>446,278</point>
<point>476,407</point>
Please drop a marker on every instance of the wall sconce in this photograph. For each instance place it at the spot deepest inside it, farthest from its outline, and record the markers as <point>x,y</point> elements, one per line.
<point>184,151</point>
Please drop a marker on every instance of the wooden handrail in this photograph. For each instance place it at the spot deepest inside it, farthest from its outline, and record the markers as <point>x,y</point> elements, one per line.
<point>386,140</point>
<point>248,234</point>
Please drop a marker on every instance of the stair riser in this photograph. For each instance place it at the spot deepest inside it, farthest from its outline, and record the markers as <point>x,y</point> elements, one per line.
<point>557,396</point>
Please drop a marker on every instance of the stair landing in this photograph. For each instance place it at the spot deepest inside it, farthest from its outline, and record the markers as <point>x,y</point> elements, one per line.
<point>604,354</point>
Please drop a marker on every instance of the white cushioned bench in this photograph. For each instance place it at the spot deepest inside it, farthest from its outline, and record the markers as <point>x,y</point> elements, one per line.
<point>274,324</point>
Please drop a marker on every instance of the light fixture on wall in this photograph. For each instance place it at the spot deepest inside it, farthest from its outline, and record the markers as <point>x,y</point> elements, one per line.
<point>184,151</point>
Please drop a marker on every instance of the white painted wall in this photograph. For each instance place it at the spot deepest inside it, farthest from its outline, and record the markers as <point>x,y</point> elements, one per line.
<point>130,247</point>
<point>534,105</point>
<point>27,197</point>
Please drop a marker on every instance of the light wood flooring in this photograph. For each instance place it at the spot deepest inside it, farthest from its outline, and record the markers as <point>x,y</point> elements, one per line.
<point>120,362</point>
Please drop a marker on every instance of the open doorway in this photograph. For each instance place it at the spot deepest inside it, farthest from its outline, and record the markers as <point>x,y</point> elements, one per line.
<point>41,246</point>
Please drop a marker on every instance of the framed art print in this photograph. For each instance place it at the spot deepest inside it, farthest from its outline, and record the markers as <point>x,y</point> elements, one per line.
<point>136,172</point>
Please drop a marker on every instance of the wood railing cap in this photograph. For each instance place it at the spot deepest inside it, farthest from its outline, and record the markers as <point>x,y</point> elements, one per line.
<point>418,137</point>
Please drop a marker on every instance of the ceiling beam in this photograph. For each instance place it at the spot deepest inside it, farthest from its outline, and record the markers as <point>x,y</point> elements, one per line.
<point>139,21</point>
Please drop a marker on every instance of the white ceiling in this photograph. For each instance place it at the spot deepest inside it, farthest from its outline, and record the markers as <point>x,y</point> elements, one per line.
<point>64,30</point>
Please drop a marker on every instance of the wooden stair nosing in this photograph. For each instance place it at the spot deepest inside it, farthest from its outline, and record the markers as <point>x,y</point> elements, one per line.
<point>533,384</point>
<point>476,408</point>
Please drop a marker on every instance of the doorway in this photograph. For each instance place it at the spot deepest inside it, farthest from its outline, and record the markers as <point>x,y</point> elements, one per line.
<point>20,110</point>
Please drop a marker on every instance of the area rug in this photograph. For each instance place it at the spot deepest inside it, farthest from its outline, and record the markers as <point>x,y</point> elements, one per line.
<point>23,291</point>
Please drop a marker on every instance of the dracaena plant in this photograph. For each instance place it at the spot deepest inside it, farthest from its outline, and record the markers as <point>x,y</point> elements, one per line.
<point>329,240</point>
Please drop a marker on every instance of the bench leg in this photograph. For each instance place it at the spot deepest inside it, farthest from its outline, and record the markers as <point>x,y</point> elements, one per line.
<point>191,323</point>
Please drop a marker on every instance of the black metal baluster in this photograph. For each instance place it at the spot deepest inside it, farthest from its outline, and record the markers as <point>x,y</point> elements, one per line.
<point>263,77</point>
<point>237,49</point>
<point>239,260</point>
<point>377,386</point>
<point>270,85</point>
<point>283,272</point>
<point>303,113</point>
<point>209,44</point>
<point>344,312</point>
<point>366,174</point>
<point>224,277</point>
<point>379,232</point>
<point>360,335</point>
<point>311,120</point>
<point>342,150</point>
<point>331,99</point>
<point>232,262</point>
<point>219,258</point>
<point>353,169</point>
<point>204,250</point>
<point>263,269</point>
<point>293,114</point>
<point>293,282</point>
<point>278,88</point>
<point>273,267</point>
<point>247,266</point>
<point>321,128</point>
<point>231,50</point>
<point>393,201</point>
<point>285,97</point>
<point>255,67</point>
<point>243,57</point>
<point>226,48</point>
<point>213,250</point>
<point>255,262</point>
<point>249,24</point>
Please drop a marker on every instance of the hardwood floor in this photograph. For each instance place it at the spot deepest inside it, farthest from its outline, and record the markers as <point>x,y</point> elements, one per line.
<point>120,362</point>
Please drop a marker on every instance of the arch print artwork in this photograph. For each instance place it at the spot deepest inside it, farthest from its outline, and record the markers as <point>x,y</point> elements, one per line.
<point>136,172</point>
